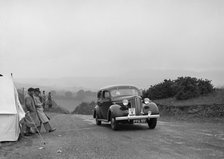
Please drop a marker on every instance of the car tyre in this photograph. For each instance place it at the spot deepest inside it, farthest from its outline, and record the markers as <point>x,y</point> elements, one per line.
<point>113,123</point>
<point>98,122</point>
<point>152,123</point>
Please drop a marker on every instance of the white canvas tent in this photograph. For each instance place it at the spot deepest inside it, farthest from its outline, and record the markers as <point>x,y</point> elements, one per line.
<point>11,111</point>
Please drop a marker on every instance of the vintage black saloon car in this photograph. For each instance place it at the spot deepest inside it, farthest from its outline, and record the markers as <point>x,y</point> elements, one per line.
<point>124,104</point>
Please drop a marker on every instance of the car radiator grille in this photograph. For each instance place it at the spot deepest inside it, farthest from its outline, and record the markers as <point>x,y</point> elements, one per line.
<point>137,104</point>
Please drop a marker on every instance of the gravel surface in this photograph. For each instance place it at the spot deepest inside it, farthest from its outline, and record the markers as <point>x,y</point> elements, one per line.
<point>77,136</point>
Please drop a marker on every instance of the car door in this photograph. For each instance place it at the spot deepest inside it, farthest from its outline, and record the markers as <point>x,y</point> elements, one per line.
<point>106,103</point>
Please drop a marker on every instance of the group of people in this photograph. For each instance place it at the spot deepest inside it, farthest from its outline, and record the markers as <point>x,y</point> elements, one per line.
<point>35,116</point>
<point>46,100</point>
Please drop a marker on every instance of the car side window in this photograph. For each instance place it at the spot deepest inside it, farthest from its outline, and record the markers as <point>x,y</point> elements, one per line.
<point>106,94</point>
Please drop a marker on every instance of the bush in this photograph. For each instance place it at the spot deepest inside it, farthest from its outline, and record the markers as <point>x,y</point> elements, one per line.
<point>187,88</point>
<point>182,88</point>
<point>85,108</point>
<point>205,86</point>
<point>57,109</point>
<point>161,90</point>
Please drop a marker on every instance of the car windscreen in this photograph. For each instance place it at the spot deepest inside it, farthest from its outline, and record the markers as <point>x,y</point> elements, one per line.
<point>124,92</point>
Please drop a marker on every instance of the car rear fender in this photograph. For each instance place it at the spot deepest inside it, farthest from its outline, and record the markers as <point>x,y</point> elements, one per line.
<point>96,111</point>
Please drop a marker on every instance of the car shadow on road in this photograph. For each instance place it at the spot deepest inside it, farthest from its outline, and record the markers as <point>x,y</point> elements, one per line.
<point>128,127</point>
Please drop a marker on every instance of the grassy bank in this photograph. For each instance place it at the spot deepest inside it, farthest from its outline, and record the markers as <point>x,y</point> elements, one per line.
<point>209,107</point>
<point>215,98</point>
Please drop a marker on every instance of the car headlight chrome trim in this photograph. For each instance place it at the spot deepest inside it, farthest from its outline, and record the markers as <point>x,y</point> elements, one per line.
<point>146,100</point>
<point>125,102</point>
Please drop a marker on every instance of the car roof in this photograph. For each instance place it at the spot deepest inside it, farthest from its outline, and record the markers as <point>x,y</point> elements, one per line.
<point>117,87</point>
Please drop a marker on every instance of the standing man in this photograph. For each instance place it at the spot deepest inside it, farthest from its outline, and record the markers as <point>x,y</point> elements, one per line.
<point>44,100</point>
<point>31,118</point>
<point>49,98</point>
<point>40,111</point>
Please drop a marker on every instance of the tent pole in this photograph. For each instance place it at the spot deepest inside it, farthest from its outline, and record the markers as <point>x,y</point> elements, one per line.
<point>23,96</point>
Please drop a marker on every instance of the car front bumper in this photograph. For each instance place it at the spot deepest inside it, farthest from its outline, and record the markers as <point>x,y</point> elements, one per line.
<point>136,117</point>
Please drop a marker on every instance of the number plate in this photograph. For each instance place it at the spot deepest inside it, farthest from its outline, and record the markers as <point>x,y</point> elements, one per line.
<point>131,111</point>
<point>140,121</point>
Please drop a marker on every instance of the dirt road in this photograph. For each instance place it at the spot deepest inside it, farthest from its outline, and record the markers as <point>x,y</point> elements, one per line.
<point>77,136</point>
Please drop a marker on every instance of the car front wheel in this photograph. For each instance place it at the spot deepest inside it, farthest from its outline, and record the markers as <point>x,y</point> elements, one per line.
<point>152,123</point>
<point>113,123</point>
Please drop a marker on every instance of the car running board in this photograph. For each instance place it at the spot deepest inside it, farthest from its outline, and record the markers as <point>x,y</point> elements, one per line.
<point>104,120</point>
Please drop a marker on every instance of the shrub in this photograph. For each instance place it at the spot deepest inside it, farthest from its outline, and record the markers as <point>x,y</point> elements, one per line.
<point>57,109</point>
<point>182,88</point>
<point>161,90</point>
<point>187,88</point>
<point>85,108</point>
<point>205,86</point>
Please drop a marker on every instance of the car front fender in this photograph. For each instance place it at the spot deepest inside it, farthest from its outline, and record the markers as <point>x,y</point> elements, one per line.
<point>151,107</point>
<point>115,111</point>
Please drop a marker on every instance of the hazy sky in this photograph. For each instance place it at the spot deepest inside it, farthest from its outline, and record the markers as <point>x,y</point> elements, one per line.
<point>64,38</point>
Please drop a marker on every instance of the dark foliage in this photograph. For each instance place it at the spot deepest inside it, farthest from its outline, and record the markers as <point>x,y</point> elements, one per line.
<point>85,108</point>
<point>57,109</point>
<point>182,88</point>
<point>187,87</point>
<point>205,86</point>
<point>161,90</point>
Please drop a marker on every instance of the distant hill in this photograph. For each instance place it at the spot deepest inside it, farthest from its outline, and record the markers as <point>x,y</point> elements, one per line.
<point>141,78</point>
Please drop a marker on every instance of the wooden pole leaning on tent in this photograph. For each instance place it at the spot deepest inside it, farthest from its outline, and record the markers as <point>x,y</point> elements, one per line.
<point>24,96</point>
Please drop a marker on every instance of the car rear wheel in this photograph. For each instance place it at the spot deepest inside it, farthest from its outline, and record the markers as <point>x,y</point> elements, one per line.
<point>152,123</point>
<point>98,122</point>
<point>113,123</point>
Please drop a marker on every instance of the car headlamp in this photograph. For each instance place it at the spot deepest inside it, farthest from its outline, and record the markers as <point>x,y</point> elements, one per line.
<point>146,100</point>
<point>125,102</point>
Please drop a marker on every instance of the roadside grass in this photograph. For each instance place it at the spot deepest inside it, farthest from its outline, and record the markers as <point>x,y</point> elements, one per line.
<point>217,97</point>
<point>204,108</point>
